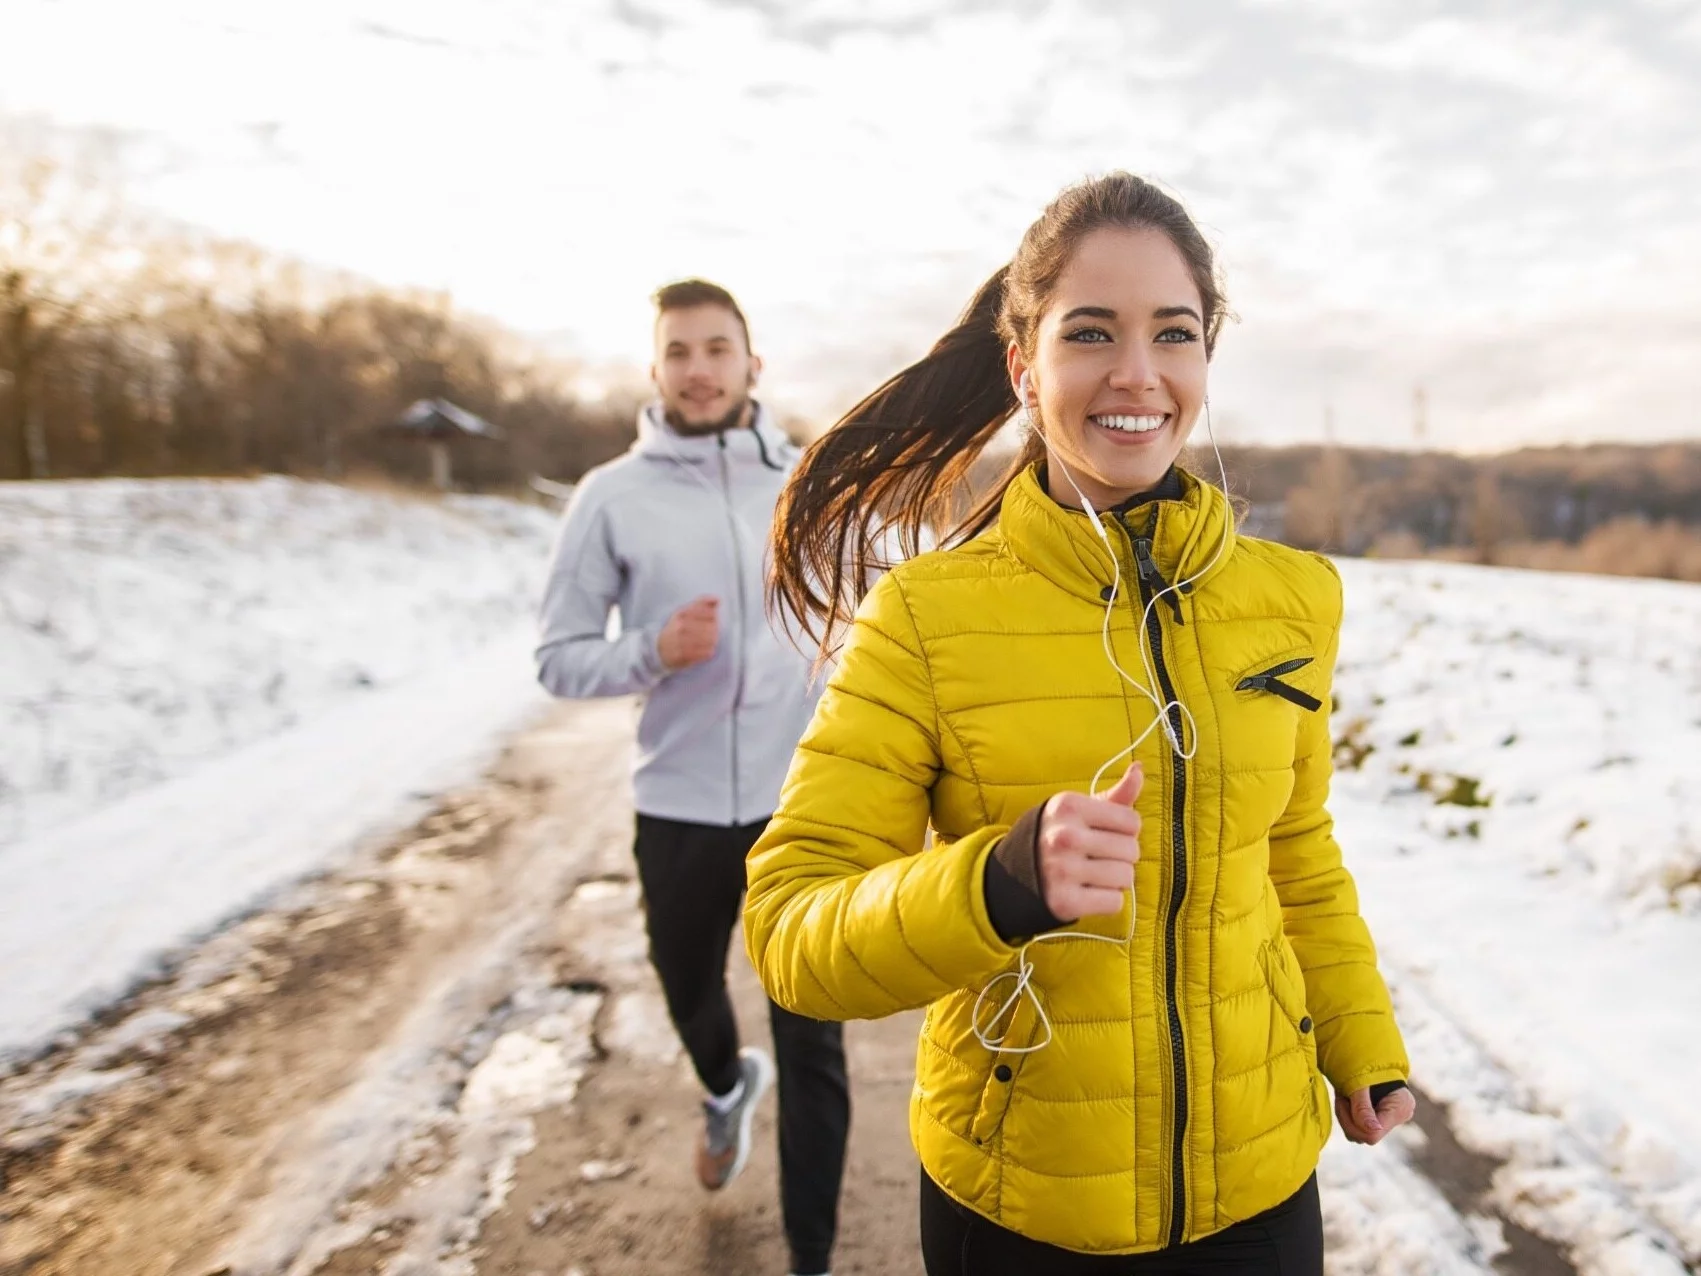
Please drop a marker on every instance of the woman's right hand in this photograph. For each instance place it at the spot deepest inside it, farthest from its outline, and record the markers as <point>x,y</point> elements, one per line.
<point>1088,847</point>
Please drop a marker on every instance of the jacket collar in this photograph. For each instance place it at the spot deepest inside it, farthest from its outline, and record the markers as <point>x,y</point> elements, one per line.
<point>763,443</point>
<point>1061,545</point>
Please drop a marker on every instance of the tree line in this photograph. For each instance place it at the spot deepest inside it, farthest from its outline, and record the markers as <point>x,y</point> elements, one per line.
<point>128,347</point>
<point>1618,509</point>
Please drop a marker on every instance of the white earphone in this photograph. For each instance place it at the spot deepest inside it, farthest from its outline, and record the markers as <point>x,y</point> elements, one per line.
<point>1022,389</point>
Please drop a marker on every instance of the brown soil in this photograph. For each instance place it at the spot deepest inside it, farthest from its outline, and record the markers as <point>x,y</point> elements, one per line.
<point>637,1116</point>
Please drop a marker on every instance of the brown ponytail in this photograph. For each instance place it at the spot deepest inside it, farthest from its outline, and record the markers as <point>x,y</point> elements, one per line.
<point>898,458</point>
<point>891,461</point>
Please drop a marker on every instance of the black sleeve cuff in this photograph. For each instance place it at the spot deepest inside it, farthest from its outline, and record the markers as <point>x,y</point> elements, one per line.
<point>1015,900</point>
<point>1382,1089</point>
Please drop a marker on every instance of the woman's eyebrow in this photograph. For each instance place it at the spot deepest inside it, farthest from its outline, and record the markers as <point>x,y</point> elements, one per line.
<point>1089,312</point>
<point>1105,312</point>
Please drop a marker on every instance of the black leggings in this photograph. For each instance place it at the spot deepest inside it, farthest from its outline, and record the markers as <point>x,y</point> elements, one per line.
<point>693,881</point>
<point>1284,1241</point>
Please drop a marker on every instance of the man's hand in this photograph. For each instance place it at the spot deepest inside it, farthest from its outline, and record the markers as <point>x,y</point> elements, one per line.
<point>1087,849</point>
<point>1362,1123</point>
<point>690,634</point>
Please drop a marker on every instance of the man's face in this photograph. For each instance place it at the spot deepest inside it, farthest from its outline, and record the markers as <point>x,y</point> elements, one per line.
<point>704,370</point>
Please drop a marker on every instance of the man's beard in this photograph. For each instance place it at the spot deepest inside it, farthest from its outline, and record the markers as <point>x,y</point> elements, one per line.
<point>731,420</point>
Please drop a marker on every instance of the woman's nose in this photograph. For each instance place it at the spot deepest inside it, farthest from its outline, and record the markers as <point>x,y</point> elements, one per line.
<point>1135,370</point>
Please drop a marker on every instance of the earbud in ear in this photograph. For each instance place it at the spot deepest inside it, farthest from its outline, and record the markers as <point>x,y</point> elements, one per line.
<point>1022,389</point>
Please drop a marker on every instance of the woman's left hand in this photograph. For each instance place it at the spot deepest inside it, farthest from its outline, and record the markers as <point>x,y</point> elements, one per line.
<point>1362,1123</point>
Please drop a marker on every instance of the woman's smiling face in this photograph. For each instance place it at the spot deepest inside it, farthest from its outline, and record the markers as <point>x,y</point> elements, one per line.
<point>1119,366</point>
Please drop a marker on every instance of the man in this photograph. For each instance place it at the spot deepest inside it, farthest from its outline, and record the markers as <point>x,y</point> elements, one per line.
<point>673,534</point>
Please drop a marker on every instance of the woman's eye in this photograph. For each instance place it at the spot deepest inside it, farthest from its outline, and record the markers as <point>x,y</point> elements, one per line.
<point>1089,335</point>
<point>1178,336</point>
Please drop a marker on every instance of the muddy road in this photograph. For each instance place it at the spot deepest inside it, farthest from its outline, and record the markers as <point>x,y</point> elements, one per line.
<point>448,1055</point>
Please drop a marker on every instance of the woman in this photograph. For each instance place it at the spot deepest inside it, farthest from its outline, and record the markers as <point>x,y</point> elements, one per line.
<point>1135,995</point>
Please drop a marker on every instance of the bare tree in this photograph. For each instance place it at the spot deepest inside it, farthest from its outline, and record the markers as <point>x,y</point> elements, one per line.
<point>1493,519</point>
<point>1321,513</point>
<point>62,260</point>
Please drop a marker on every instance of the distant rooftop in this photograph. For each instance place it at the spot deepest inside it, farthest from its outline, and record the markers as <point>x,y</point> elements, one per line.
<point>440,419</point>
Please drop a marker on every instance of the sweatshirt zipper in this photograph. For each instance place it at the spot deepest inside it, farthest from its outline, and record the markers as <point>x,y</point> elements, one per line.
<point>738,614</point>
<point>1151,585</point>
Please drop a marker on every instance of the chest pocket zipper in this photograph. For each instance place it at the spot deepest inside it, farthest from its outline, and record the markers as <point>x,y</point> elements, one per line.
<point>1271,680</point>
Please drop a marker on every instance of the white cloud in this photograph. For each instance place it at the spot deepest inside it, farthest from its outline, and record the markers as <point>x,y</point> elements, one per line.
<point>1397,198</point>
<point>1581,62</point>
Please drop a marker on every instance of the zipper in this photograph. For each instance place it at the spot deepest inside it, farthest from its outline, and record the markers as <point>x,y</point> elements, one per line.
<point>738,613</point>
<point>1271,680</point>
<point>1151,585</point>
<point>1152,579</point>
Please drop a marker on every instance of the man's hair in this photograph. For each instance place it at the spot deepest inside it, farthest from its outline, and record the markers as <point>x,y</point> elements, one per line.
<point>686,294</point>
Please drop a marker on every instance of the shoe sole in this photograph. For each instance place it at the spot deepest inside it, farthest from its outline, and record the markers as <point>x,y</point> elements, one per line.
<point>764,1079</point>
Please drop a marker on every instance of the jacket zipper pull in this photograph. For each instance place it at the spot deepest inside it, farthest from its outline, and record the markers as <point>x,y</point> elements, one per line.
<point>1270,680</point>
<point>1153,579</point>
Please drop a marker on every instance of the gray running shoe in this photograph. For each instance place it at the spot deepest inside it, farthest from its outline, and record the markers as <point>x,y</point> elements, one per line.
<point>726,1135</point>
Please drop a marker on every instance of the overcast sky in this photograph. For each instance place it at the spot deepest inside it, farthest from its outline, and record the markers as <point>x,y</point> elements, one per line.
<point>1500,202</point>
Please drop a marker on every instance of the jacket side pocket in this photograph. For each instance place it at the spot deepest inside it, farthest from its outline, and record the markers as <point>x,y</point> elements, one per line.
<point>998,1090</point>
<point>1288,998</point>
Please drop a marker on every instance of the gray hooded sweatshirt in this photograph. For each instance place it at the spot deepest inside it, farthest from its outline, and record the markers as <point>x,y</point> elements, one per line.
<point>674,519</point>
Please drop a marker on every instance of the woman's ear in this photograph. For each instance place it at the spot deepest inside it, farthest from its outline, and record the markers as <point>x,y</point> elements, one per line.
<point>1020,381</point>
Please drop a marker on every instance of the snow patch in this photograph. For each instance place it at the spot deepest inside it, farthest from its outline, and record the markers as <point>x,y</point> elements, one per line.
<point>150,626</point>
<point>1514,797</point>
<point>180,735</point>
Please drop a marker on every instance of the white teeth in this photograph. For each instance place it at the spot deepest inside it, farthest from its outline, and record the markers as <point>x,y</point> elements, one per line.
<point>1131,424</point>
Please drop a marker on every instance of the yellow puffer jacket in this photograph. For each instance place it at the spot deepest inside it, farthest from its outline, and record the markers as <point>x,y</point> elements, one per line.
<point>1183,1088</point>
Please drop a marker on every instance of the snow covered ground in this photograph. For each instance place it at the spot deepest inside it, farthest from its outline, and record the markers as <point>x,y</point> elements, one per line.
<point>149,626</point>
<point>1516,795</point>
<point>211,688</point>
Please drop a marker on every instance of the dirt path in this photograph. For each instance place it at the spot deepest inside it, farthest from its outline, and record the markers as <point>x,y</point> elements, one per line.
<point>345,1082</point>
<point>609,1189</point>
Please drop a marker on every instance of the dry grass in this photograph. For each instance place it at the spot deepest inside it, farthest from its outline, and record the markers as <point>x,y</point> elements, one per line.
<point>1623,547</point>
<point>375,482</point>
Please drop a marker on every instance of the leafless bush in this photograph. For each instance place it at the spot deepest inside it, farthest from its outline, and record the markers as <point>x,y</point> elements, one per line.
<point>1624,547</point>
<point>1396,544</point>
